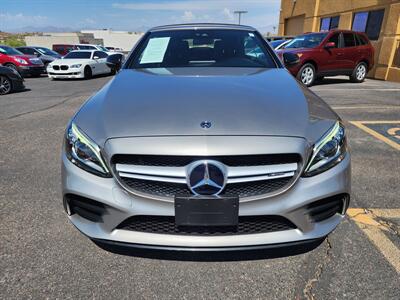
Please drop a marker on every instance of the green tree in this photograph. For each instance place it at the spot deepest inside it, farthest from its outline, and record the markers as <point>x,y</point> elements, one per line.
<point>14,42</point>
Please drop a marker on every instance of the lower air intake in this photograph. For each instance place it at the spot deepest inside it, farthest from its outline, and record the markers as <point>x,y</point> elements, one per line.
<point>324,209</point>
<point>166,225</point>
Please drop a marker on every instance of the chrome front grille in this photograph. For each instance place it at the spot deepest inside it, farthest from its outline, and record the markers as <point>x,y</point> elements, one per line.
<point>153,176</point>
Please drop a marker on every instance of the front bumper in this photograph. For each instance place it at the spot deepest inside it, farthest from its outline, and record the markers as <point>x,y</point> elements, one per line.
<point>122,205</point>
<point>31,70</point>
<point>59,74</point>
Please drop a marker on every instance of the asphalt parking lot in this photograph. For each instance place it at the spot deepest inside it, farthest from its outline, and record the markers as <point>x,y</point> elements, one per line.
<point>43,256</point>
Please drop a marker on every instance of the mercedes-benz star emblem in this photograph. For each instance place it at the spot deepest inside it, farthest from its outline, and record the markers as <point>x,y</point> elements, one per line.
<point>205,124</point>
<point>206,177</point>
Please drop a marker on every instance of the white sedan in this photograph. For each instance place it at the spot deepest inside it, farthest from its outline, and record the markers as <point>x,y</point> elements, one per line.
<point>79,64</point>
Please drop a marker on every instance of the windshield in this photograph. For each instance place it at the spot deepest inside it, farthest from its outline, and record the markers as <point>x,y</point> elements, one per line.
<point>102,48</point>
<point>9,51</point>
<point>78,54</point>
<point>306,41</point>
<point>46,51</point>
<point>203,48</point>
<point>276,43</point>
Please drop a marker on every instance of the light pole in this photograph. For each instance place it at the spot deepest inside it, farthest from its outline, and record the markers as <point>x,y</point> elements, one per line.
<point>239,13</point>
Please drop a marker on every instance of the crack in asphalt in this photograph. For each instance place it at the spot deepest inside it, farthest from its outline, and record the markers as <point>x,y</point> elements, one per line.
<point>44,108</point>
<point>308,289</point>
<point>389,225</point>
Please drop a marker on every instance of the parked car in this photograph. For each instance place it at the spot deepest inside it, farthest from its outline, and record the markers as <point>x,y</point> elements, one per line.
<point>64,49</point>
<point>46,55</point>
<point>24,64</point>
<point>93,47</point>
<point>10,81</point>
<point>79,64</point>
<point>114,49</point>
<point>337,52</point>
<point>199,144</point>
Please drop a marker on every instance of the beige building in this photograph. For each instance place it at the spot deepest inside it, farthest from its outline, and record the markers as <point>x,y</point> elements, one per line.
<point>48,39</point>
<point>120,39</point>
<point>379,19</point>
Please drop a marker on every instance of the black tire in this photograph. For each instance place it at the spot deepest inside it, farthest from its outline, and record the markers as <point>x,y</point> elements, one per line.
<point>5,85</point>
<point>307,74</point>
<point>359,73</point>
<point>87,72</point>
<point>113,72</point>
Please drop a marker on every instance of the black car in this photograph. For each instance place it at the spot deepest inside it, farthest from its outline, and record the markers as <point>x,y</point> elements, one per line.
<point>46,55</point>
<point>10,81</point>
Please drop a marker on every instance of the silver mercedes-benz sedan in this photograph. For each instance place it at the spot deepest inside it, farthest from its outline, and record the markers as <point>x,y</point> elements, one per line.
<point>204,141</point>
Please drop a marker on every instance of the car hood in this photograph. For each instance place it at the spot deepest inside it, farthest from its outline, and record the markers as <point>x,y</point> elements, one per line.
<point>174,102</point>
<point>69,62</point>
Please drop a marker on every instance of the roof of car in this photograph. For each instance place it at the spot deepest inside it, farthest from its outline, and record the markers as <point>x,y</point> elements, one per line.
<point>202,26</point>
<point>85,50</point>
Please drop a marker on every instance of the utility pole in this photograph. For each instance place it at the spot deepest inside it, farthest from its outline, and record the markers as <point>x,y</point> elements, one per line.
<point>239,13</point>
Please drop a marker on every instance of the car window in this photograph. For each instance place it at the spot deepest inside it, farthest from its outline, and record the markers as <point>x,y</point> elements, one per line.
<point>335,39</point>
<point>100,54</point>
<point>47,51</point>
<point>84,47</point>
<point>203,48</point>
<point>349,40</point>
<point>361,39</point>
<point>9,51</point>
<point>29,51</point>
<point>306,41</point>
<point>102,48</point>
<point>78,55</point>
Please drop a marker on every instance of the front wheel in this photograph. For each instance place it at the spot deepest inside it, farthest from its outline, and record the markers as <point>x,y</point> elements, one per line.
<point>5,85</point>
<point>359,73</point>
<point>87,72</point>
<point>307,74</point>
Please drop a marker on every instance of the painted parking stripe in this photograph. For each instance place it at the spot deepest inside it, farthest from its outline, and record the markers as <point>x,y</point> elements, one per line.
<point>374,107</point>
<point>367,221</point>
<point>386,131</point>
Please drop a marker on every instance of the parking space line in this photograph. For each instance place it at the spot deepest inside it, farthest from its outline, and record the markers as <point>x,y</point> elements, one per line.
<point>366,107</point>
<point>374,230</point>
<point>360,124</point>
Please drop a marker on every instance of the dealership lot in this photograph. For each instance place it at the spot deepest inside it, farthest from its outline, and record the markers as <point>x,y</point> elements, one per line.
<point>42,255</point>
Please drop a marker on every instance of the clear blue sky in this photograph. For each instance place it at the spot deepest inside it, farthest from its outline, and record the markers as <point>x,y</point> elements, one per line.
<point>132,14</point>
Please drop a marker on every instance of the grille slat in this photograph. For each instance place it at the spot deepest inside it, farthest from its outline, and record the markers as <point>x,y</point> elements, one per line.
<point>168,189</point>
<point>181,161</point>
<point>166,225</point>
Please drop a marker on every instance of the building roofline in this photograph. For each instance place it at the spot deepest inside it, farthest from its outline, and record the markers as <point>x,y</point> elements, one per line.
<point>202,25</point>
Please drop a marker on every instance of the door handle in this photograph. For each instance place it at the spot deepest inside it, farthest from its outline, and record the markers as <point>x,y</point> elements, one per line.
<point>340,54</point>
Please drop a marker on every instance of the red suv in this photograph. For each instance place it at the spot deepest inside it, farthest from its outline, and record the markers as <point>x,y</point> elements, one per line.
<point>337,52</point>
<point>64,49</point>
<point>24,64</point>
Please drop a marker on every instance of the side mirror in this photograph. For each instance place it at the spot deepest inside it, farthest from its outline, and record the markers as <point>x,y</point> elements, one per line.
<point>290,59</point>
<point>96,57</point>
<point>37,54</point>
<point>330,45</point>
<point>114,61</point>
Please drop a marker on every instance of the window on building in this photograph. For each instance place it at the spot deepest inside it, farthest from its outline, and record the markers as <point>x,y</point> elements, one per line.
<point>369,22</point>
<point>330,23</point>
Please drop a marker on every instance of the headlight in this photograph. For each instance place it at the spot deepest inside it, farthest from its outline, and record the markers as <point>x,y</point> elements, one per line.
<point>83,152</point>
<point>20,60</point>
<point>76,66</point>
<point>328,151</point>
